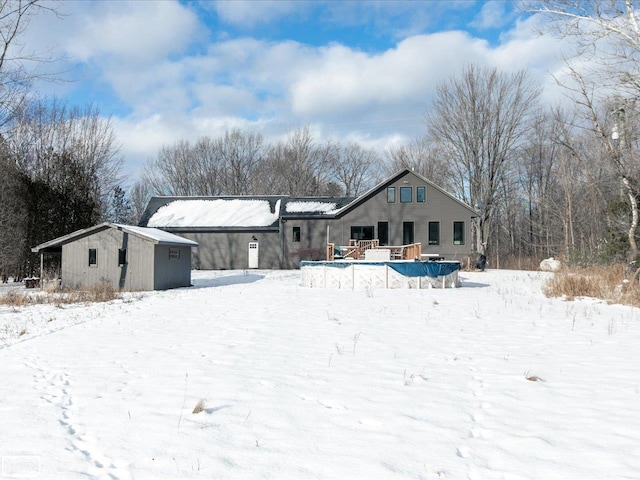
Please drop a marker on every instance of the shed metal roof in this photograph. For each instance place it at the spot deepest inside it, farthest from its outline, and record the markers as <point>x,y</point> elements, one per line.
<point>154,235</point>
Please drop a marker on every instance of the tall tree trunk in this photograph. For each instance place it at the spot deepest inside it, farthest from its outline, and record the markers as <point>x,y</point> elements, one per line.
<point>633,201</point>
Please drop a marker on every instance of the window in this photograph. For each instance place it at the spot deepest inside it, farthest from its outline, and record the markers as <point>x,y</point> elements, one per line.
<point>383,233</point>
<point>122,256</point>
<point>391,194</point>
<point>406,194</point>
<point>407,233</point>
<point>174,253</point>
<point>458,233</point>
<point>434,233</point>
<point>93,257</point>
<point>421,194</point>
<point>296,234</point>
<point>361,233</point>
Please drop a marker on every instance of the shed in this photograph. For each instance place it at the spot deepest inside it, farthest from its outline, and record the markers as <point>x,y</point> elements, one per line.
<point>128,257</point>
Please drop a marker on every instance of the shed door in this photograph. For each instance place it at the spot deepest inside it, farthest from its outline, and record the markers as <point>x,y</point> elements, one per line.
<point>254,254</point>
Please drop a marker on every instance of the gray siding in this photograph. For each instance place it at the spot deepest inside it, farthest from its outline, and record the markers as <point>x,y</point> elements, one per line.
<point>228,250</point>
<point>136,274</point>
<point>438,207</point>
<point>172,272</point>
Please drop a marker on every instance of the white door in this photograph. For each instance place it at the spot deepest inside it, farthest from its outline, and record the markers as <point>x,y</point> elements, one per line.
<point>254,255</point>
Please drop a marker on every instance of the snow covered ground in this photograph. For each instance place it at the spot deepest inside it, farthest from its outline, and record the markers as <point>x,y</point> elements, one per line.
<point>312,383</point>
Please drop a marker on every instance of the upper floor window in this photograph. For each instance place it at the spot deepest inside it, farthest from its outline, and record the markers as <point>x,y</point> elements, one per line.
<point>391,194</point>
<point>421,194</point>
<point>406,194</point>
<point>122,256</point>
<point>296,234</point>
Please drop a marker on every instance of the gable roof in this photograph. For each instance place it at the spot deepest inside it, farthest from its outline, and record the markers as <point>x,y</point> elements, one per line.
<point>154,235</point>
<point>356,202</point>
<point>392,179</point>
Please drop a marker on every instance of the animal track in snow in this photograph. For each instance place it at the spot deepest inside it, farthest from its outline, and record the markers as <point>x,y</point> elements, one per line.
<point>56,388</point>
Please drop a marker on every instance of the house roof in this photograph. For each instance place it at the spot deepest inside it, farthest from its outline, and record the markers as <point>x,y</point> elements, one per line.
<point>253,213</point>
<point>154,235</point>
<point>233,213</point>
<point>392,179</point>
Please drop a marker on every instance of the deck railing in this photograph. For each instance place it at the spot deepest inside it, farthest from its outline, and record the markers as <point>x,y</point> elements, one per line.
<point>355,250</point>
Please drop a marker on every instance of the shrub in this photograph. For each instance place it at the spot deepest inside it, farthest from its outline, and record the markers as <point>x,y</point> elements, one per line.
<point>608,283</point>
<point>103,292</point>
<point>14,298</point>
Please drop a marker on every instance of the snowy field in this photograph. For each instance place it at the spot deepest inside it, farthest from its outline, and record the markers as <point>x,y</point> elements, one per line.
<point>312,383</point>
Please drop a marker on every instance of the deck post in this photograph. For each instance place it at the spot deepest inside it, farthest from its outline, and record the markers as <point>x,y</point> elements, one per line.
<point>41,269</point>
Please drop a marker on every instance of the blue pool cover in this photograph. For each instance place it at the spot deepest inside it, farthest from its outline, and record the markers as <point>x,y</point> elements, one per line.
<point>408,269</point>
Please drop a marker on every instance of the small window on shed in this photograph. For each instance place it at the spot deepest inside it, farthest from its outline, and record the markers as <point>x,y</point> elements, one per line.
<point>122,256</point>
<point>296,234</point>
<point>421,194</point>
<point>93,257</point>
<point>174,253</point>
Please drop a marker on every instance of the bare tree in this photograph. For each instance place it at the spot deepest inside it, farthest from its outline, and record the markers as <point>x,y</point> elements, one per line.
<point>299,166</point>
<point>606,38</point>
<point>46,132</point>
<point>423,157</point>
<point>478,120</point>
<point>15,74</point>
<point>139,196</point>
<point>240,154</point>
<point>174,171</point>
<point>355,169</point>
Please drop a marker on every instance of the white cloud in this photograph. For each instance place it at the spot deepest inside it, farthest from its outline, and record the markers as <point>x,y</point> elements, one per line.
<point>492,15</point>
<point>140,32</point>
<point>344,79</point>
<point>248,13</point>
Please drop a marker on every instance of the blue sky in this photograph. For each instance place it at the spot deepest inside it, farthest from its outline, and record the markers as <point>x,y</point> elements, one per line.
<point>353,71</point>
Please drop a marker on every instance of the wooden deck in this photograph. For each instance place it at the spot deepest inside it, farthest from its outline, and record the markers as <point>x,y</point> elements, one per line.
<point>356,250</point>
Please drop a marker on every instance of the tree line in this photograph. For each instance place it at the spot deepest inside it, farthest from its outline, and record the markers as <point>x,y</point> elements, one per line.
<point>560,180</point>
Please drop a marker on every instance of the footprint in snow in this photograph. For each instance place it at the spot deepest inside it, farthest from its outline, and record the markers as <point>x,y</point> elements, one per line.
<point>462,452</point>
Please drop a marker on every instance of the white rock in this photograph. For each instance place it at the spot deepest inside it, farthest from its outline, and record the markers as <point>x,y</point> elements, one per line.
<point>550,265</point>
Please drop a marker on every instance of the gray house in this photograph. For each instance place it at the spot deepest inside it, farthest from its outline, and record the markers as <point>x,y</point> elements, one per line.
<point>128,257</point>
<point>279,231</point>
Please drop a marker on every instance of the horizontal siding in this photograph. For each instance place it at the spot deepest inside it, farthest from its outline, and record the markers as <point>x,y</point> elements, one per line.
<point>230,250</point>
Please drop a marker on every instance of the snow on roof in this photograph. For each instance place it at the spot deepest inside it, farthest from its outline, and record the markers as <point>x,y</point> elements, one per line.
<point>311,207</point>
<point>158,235</point>
<point>215,213</point>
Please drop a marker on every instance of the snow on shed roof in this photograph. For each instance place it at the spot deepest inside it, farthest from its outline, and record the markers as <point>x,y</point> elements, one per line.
<point>153,234</point>
<point>215,213</point>
<point>159,236</point>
